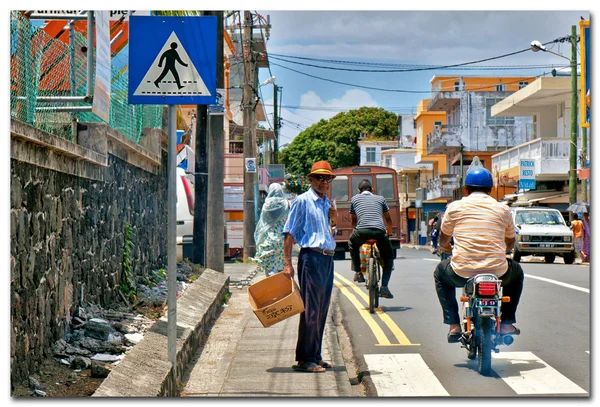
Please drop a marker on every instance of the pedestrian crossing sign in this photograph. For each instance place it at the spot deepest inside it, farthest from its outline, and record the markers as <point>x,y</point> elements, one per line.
<point>172,60</point>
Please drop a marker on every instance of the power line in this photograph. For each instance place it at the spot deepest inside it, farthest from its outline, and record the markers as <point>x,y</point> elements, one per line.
<point>562,39</point>
<point>350,84</point>
<point>415,68</point>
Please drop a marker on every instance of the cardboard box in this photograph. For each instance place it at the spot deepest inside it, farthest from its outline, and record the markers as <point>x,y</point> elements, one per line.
<point>274,299</point>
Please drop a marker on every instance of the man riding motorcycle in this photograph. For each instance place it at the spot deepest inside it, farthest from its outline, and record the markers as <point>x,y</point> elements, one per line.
<point>483,232</point>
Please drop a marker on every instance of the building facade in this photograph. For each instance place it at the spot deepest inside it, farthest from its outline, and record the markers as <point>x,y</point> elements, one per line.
<point>547,103</point>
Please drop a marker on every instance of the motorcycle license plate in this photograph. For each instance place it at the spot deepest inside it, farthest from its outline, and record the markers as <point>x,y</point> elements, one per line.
<point>487,303</point>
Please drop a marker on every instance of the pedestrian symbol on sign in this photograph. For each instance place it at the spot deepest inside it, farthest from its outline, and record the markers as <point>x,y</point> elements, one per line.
<point>186,79</point>
<point>171,56</point>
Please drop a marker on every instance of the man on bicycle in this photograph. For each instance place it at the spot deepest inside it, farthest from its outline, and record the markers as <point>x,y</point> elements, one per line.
<point>368,213</point>
<point>483,232</point>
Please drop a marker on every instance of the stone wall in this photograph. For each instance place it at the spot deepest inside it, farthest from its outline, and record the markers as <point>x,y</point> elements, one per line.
<point>69,207</point>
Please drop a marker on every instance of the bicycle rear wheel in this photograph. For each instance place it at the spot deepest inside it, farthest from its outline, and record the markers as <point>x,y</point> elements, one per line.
<point>373,294</point>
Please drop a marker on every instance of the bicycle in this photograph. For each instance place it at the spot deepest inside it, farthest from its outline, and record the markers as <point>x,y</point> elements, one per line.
<point>373,276</point>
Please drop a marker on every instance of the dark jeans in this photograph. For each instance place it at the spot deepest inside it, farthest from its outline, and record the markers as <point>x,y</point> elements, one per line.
<point>359,237</point>
<point>315,275</point>
<point>434,242</point>
<point>446,282</point>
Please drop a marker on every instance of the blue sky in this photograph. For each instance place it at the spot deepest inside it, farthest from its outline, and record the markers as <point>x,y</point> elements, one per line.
<point>427,37</point>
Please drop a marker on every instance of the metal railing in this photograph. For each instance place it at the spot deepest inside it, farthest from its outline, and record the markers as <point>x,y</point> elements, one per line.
<point>48,84</point>
<point>446,135</point>
<point>442,186</point>
<point>551,156</point>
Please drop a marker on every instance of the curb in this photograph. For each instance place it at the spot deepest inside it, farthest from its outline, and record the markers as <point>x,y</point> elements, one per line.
<point>146,371</point>
<point>363,374</point>
<point>342,377</point>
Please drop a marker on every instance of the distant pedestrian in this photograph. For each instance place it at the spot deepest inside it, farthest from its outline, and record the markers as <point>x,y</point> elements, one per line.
<point>309,224</point>
<point>268,234</point>
<point>586,236</point>
<point>435,233</point>
<point>577,227</point>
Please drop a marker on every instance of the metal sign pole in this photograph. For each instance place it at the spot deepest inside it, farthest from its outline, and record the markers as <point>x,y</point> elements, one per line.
<point>171,239</point>
<point>152,38</point>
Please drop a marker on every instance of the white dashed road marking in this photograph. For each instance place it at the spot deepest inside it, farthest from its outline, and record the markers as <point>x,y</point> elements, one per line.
<point>403,375</point>
<point>527,374</point>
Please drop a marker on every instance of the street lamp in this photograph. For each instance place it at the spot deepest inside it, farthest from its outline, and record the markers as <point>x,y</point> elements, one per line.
<point>270,80</point>
<point>538,46</point>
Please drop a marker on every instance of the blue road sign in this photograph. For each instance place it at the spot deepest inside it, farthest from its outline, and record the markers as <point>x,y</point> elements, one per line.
<point>172,60</point>
<point>526,184</point>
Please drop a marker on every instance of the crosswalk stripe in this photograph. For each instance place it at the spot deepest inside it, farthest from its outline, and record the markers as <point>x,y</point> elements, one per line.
<point>403,375</point>
<point>525,373</point>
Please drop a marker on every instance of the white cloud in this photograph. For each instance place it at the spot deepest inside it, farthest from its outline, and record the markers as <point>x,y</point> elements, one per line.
<point>431,37</point>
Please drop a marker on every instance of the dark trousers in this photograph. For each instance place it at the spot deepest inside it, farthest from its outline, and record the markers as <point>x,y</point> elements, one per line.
<point>434,242</point>
<point>359,237</point>
<point>446,282</point>
<point>315,275</point>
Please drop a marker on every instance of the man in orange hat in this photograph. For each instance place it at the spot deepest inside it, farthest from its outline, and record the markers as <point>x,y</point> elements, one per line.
<point>308,224</point>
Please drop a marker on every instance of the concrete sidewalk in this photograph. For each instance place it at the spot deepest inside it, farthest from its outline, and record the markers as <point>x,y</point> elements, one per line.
<point>241,358</point>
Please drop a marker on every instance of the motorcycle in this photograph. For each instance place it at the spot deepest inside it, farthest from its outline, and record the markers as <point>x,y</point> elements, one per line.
<point>480,314</point>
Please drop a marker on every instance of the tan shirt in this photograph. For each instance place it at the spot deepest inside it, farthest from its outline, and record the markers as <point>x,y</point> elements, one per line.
<point>479,224</point>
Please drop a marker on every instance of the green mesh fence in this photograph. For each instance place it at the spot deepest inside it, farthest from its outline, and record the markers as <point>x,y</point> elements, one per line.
<point>42,66</point>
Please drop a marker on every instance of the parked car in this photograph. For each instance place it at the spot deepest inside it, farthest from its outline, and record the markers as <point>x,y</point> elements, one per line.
<point>185,213</point>
<point>542,232</point>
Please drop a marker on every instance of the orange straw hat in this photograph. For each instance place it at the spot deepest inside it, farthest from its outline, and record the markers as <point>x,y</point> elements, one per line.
<point>321,168</point>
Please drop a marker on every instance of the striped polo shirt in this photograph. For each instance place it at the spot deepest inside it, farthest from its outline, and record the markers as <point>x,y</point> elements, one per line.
<point>369,209</point>
<point>479,224</point>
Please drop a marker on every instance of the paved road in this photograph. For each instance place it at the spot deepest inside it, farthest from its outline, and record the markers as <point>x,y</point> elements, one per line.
<point>404,349</point>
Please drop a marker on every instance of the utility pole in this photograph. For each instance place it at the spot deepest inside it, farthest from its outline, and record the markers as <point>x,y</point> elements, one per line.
<point>462,175</point>
<point>216,147</point>
<point>249,143</point>
<point>584,182</point>
<point>201,187</point>
<point>200,184</point>
<point>418,217</point>
<point>275,126</point>
<point>573,150</point>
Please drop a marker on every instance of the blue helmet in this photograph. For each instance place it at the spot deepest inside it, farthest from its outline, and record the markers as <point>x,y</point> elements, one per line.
<point>479,177</point>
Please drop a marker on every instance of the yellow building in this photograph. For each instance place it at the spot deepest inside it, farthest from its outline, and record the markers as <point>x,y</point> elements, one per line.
<point>459,114</point>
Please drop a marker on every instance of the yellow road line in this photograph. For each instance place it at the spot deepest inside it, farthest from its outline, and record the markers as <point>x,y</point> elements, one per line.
<point>377,331</point>
<point>400,336</point>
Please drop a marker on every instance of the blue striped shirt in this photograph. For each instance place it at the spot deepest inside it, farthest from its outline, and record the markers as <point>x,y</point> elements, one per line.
<point>308,221</point>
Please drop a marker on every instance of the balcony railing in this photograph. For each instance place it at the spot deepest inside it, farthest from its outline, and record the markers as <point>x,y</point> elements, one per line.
<point>442,186</point>
<point>236,147</point>
<point>444,139</point>
<point>551,156</point>
<point>444,100</point>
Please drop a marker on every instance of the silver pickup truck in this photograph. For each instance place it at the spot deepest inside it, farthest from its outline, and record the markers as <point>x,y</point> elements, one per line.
<point>542,232</point>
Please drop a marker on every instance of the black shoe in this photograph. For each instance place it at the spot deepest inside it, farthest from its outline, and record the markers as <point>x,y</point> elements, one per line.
<point>454,337</point>
<point>358,277</point>
<point>384,292</point>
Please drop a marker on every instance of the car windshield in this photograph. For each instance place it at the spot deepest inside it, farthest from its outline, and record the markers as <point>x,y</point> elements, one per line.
<point>540,217</point>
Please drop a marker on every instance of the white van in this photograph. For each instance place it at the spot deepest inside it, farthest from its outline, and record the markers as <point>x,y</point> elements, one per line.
<point>185,213</point>
<point>542,232</point>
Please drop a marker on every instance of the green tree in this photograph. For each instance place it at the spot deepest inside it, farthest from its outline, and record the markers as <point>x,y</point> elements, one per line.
<point>336,140</point>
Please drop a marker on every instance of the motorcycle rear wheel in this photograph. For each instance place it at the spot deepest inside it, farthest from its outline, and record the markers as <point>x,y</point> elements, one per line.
<point>485,346</point>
